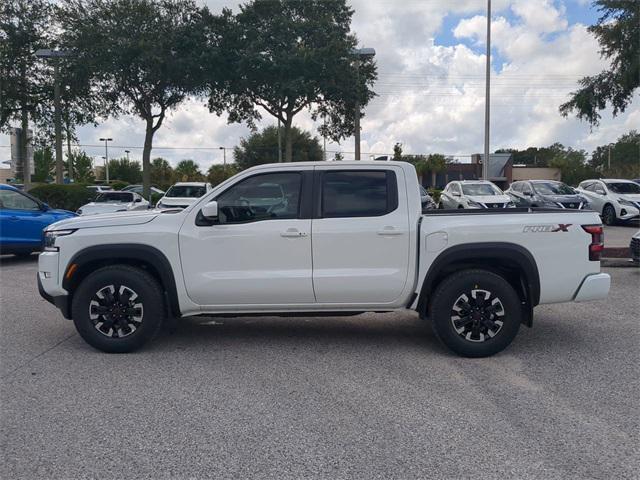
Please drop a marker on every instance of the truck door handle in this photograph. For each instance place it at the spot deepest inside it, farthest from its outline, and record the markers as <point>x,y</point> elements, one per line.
<point>292,233</point>
<point>389,232</point>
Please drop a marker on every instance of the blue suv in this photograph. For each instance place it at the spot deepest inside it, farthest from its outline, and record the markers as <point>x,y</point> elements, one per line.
<point>22,219</point>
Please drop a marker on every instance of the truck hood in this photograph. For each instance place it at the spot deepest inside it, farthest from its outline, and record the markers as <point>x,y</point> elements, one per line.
<point>489,198</point>
<point>106,220</point>
<point>177,201</point>
<point>104,207</point>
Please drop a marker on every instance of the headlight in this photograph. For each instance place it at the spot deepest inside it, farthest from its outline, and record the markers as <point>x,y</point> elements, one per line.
<point>50,236</point>
<point>475,204</point>
<point>79,211</point>
<point>627,203</point>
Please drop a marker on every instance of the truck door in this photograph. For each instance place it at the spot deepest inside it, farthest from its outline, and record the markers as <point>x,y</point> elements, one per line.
<point>258,251</point>
<point>360,235</point>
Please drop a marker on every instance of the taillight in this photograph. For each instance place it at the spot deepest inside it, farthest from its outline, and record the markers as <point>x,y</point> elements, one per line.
<point>597,241</point>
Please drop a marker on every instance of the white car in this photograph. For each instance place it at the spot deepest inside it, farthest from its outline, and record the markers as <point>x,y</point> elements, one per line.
<point>613,199</point>
<point>96,189</point>
<point>321,238</point>
<point>474,194</point>
<point>183,194</point>
<point>110,202</point>
<point>138,189</point>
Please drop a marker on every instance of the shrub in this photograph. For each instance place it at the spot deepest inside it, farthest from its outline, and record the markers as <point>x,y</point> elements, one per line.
<point>435,194</point>
<point>67,197</point>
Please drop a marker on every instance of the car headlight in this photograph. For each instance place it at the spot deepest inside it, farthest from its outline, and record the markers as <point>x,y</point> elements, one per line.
<point>475,204</point>
<point>79,211</point>
<point>626,203</point>
<point>48,243</point>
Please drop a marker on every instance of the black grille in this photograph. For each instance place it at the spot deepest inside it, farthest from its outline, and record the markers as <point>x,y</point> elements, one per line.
<point>571,204</point>
<point>496,205</point>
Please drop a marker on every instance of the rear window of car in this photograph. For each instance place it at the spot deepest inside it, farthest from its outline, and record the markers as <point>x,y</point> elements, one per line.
<point>480,189</point>
<point>119,197</point>
<point>186,191</point>
<point>358,193</point>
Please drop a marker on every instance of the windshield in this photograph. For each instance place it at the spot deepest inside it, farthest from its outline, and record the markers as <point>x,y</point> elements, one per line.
<point>186,191</point>
<point>553,188</point>
<point>480,189</point>
<point>114,197</point>
<point>624,187</point>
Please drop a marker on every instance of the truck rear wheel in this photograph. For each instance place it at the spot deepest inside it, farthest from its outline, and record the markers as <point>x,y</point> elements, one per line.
<point>475,313</point>
<point>117,309</point>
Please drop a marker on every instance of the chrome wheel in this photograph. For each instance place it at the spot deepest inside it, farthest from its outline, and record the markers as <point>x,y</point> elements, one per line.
<point>476,316</point>
<point>116,312</point>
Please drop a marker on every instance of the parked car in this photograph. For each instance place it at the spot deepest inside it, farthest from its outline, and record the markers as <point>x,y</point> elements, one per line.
<point>110,202</point>
<point>22,220</point>
<point>613,199</point>
<point>474,194</point>
<point>96,189</point>
<point>546,194</point>
<point>138,189</point>
<point>634,246</point>
<point>355,243</point>
<point>183,194</point>
<point>425,199</point>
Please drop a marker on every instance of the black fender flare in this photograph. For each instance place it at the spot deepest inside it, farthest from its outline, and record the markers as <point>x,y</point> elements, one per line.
<point>486,251</point>
<point>134,252</point>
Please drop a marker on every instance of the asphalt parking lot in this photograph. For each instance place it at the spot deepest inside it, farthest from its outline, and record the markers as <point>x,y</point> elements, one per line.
<point>373,396</point>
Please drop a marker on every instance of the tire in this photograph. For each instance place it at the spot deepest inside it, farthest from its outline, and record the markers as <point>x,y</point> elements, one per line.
<point>474,337</point>
<point>441,206</point>
<point>609,215</point>
<point>460,206</point>
<point>136,298</point>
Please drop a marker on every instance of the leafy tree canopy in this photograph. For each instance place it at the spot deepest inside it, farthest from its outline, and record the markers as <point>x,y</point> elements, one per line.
<point>188,171</point>
<point>125,170</point>
<point>624,156</point>
<point>219,173</point>
<point>44,164</point>
<point>618,32</point>
<point>290,55</point>
<point>260,148</point>
<point>161,173</point>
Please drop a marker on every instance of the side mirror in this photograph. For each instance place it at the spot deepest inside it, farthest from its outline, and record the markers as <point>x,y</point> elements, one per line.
<point>600,192</point>
<point>528,194</point>
<point>456,194</point>
<point>44,207</point>
<point>210,210</point>
<point>137,200</point>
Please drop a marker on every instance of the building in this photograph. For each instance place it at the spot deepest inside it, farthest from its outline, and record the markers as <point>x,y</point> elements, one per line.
<point>500,171</point>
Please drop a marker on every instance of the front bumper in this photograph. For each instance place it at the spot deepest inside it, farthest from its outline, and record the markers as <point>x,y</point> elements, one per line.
<point>60,301</point>
<point>593,287</point>
<point>628,213</point>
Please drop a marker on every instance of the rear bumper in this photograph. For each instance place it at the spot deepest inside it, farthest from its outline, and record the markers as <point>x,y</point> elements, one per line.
<point>593,287</point>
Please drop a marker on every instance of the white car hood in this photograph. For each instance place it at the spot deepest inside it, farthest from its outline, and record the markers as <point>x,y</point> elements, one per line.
<point>489,198</point>
<point>631,198</point>
<point>104,207</point>
<point>106,220</point>
<point>178,201</point>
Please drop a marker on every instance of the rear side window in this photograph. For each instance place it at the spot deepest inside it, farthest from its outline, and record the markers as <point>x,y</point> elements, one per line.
<point>368,193</point>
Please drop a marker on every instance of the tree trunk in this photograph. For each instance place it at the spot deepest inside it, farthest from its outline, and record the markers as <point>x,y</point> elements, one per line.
<point>433,178</point>
<point>288,140</point>
<point>24,146</point>
<point>146,158</point>
<point>69,158</point>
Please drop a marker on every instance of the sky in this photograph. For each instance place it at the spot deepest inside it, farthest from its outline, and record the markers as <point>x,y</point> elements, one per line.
<point>431,64</point>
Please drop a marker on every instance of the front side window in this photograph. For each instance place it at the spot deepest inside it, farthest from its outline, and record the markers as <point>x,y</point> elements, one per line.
<point>554,188</point>
<point>624,187</point>
<point>271,196</point>
<point>17,201</point>
<point>358,193</point>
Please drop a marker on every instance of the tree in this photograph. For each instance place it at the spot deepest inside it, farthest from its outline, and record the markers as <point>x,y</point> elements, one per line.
<point>572,165</point>
<point>161,173</point>
<point>262,148</point>
<point>144,56</point>
<point>623,156</point>
<point>44,164</point>
<point>125,170</point>
<point>289,55</point>
<point>618,32</point>
<point>188,171</point>
<point>82,165</point>
<point>24,28</point>
<point>397,152</point>
<point>338,157</point>
<point>219,173</point>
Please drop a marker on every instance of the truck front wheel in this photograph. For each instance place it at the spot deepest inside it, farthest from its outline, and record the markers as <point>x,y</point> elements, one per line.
<point>475,313</point>
<point>117,309</point>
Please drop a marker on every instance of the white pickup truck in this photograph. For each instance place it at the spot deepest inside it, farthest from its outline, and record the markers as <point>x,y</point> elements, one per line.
<point>328,238</point>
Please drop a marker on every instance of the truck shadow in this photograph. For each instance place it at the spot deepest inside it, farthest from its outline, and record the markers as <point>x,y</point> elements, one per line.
<point>6,260</point>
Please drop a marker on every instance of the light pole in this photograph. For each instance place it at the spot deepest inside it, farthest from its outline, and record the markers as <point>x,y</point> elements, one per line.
<point>224,158</point>
<point>359,53</point>
<point>56,54</point>
<point>106,156</point>
<point>127,152</point>
<point>487,103</point>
